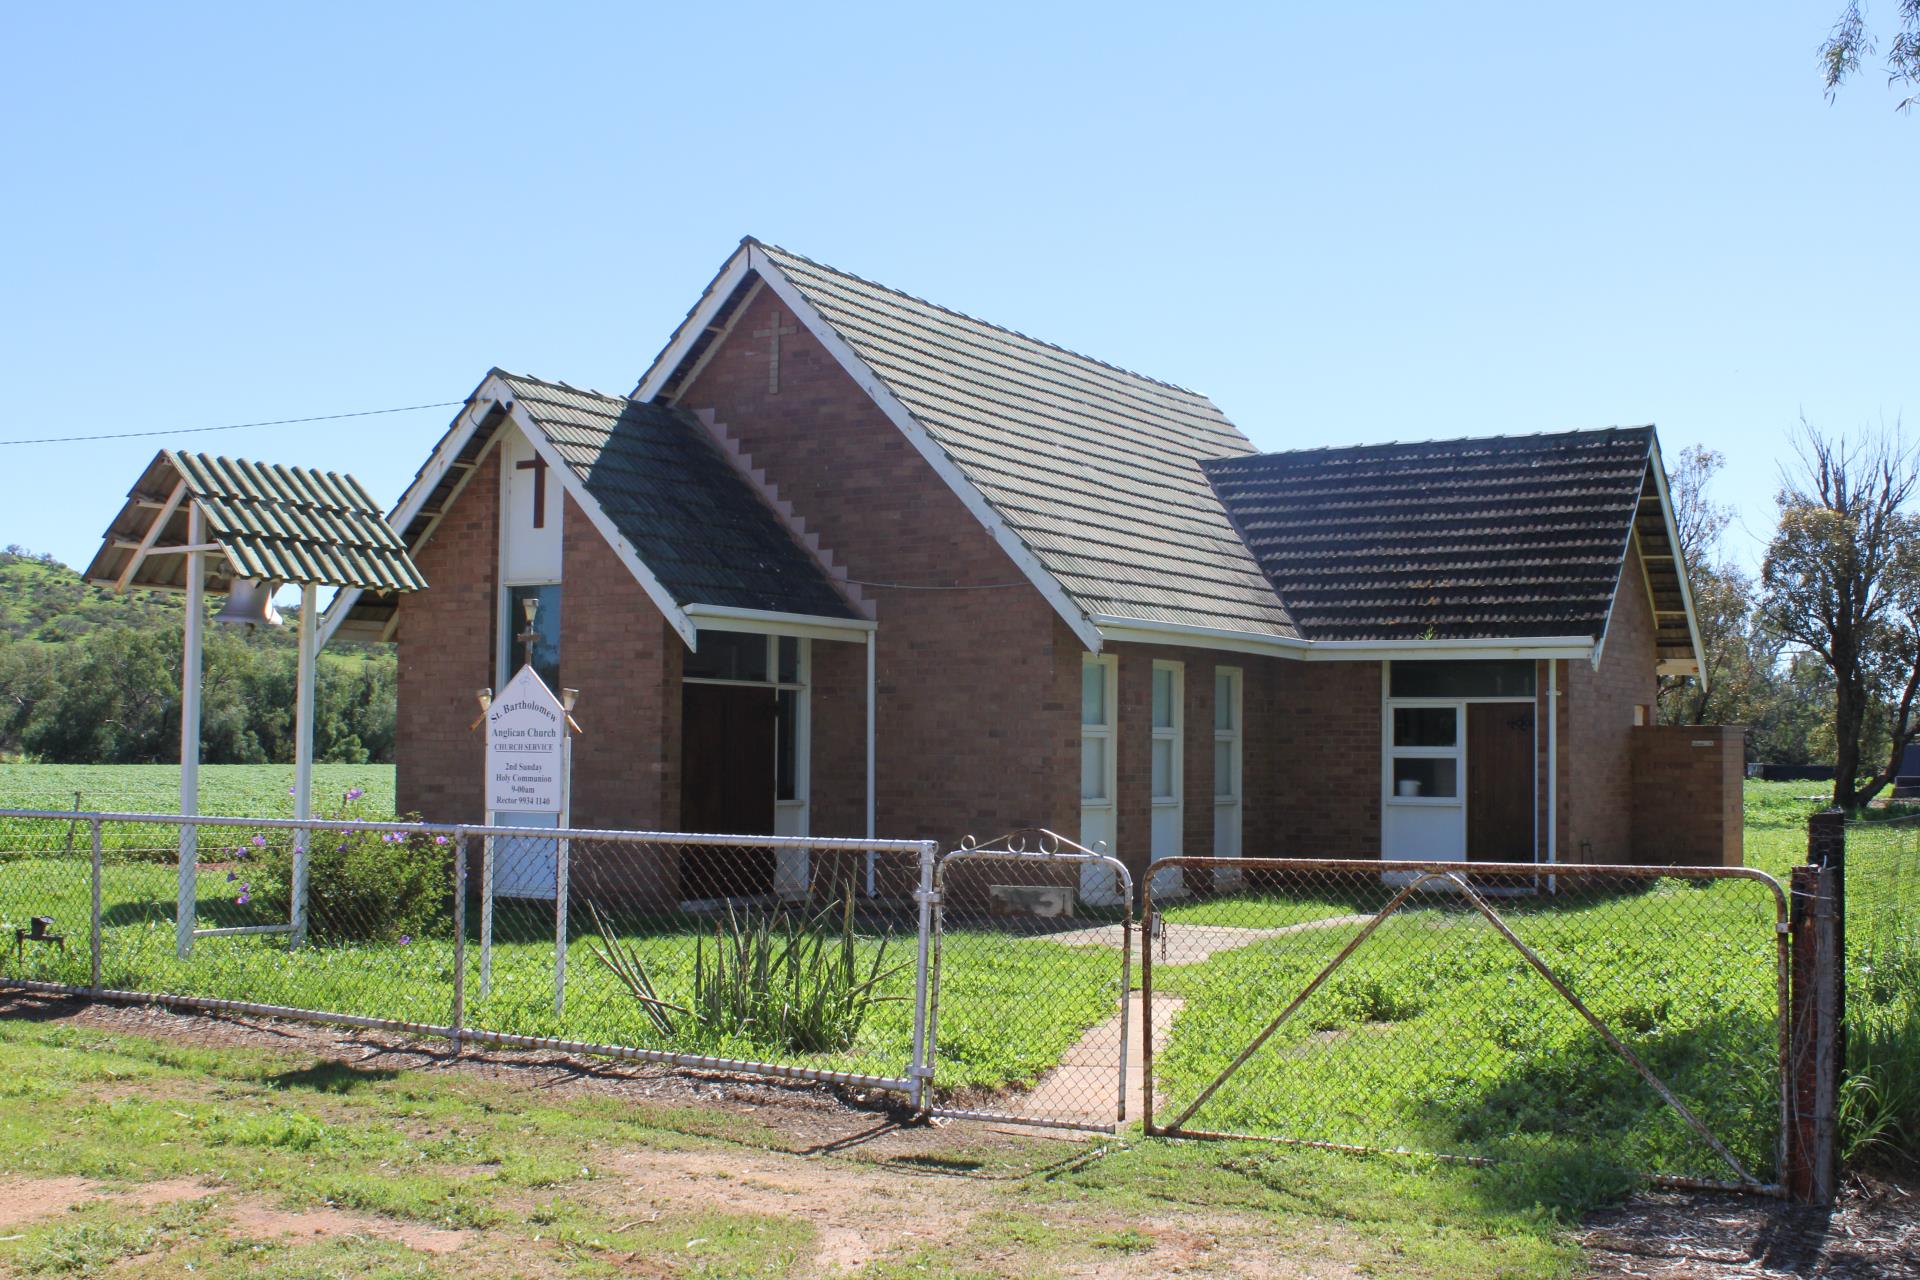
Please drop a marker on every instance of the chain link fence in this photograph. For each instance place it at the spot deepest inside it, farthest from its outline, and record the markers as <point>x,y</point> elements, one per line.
<point>1632,1018</point>
<point>1880,1099</point>
<point>1034,1015</point>
<point>797,959</point>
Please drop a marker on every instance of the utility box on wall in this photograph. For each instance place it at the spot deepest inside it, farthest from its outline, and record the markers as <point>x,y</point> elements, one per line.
<point>1686,794</point>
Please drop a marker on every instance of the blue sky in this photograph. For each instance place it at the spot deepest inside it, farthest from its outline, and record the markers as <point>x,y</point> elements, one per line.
<point>1408,222</point>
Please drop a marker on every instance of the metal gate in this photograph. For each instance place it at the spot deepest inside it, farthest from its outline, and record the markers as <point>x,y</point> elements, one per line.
<point>1630,1016</point>
<point>1032,1003</point>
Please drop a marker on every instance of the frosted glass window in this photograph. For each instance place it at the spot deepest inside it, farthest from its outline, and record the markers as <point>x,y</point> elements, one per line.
<point>1225,714</point>
<point>1223,769</point>
<point>1093,768</point>
<point>1162,698</point>
<point>1093,693</point>
<point>1162,768</point>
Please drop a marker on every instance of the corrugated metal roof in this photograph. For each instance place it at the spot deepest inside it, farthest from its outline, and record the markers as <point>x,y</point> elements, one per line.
<point>1503,537</point>
<point>1094,468</point>
<point>281,524</point>
<point>691,517</point>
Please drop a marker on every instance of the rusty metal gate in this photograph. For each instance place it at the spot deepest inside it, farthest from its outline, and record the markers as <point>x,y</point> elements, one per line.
<point>1032,1003</point>
<point>1630,1016</point>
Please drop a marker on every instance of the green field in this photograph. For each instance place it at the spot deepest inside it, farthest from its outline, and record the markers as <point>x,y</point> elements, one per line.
<point>226,790</point>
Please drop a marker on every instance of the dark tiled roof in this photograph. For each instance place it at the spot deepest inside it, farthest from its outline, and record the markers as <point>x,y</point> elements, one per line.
<point>691,517</point>
<point>1095,469</point>
<point>1511,536</point>
<point>280,524</point>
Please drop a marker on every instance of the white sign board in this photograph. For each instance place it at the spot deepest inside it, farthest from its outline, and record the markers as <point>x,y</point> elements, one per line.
<point>525,729</point>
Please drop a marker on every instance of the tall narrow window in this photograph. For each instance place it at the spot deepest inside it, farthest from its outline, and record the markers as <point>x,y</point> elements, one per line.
<point>1098,699</point>
<point>1226,761</point>
<point>545,630</point>
<point>1168,770</point>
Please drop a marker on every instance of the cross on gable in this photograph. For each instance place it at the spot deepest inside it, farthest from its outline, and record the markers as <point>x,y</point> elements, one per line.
<point>773,336</point>
<point>538,465</point>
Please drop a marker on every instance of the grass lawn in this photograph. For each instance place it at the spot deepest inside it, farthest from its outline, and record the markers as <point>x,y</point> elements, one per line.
<point>152,1157</point>
<point>226,790</point>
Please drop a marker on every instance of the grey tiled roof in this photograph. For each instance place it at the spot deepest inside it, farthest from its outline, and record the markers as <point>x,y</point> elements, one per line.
<point>280,524</point>
<point>691,517</point>
<point>1095,469</point>
<point>1510,536</point>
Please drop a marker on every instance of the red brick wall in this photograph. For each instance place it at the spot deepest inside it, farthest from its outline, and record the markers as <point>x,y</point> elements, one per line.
<point>978,688</point>
<point>1317,736</point>
<point>617,649</point>
<point>1686,794</point>
<point>445,636</point>
<point>1596,743</point>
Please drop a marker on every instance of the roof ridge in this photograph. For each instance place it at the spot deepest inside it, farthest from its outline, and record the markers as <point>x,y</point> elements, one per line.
<point>973,319</point>
<point>1387,445</point>
<point>559,386</point>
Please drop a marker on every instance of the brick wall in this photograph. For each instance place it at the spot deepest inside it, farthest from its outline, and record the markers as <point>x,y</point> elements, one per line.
<point>978,688</point>
<point>1317,736</point>
<point>446,650</point>
<point>1686,794</point>
<point>1596,769</point>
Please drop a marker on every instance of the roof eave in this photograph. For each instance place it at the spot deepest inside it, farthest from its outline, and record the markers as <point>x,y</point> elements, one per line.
<point>1145,631</point>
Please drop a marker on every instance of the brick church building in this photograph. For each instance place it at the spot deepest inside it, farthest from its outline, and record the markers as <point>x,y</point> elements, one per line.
<point>848,563</point>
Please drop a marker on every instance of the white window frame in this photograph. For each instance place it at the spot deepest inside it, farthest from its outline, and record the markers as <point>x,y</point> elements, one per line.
<point>1105,731</point>
<point>794,816</point>
<point>1176,768</point>
<point>1234,738</point>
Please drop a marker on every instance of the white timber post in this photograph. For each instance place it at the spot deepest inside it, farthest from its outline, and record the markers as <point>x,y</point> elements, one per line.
<point>560,870</point>
<point>303,753</point>
<point>872,686</point>
<point>183,918</point>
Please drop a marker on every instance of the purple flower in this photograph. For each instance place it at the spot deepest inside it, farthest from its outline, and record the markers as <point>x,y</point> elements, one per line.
<point>246,895</point>
<point>259,842</point>
<point>354,793</point>
<point>439,839</point>
<point>232,876</point>
<point>406,939</point>
<point>289,790</point>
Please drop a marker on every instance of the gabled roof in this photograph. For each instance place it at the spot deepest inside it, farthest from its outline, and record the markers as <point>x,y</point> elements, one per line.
<point>1087,474</point>
<point>1503,537</point>
<point>688,526</point>
<point>689,515</point>
<point>279,524</point>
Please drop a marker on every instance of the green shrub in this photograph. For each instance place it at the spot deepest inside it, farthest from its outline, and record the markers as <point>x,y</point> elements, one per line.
<point>362,886</point>
<point>773,979</point>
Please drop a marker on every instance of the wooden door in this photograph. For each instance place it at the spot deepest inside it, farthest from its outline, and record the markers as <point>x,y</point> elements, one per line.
<point>726,786</point>
<point>1500,782</point>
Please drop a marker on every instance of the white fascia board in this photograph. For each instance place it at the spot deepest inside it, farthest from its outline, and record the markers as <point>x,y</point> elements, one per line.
<point>577,490</point>
<point>1679,563</point>
<point>718,617</point>
<point>696,324</point>
<point>479,405</point>
<point>1143,631</point>
<point>970,496</point>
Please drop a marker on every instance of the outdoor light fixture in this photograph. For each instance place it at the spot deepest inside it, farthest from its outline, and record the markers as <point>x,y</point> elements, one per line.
<point>250,604</point>
<point>567,698</point>
<point>485,697</point>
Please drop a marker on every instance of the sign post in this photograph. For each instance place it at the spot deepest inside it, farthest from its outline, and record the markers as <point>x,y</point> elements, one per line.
<point>528,774</point>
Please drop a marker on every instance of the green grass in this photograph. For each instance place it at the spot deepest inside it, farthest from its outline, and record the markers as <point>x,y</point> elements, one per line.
<point>992,1033</point>
<point>542,1177</point>
<point>226,790</point>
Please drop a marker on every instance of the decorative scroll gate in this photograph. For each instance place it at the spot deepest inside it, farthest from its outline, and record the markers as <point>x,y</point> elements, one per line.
<point>1630,1016</point>
<point>1011,921</point>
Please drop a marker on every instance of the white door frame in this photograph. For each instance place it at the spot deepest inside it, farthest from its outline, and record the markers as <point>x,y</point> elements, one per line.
<point>1229,806</point>
<point>1168,827</point>
<point>1100,816</point>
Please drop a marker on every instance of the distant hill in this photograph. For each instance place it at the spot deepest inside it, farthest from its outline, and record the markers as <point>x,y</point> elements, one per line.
<point>43,599</point>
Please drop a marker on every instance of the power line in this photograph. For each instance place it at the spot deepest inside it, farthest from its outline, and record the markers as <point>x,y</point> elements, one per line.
<point>234,426</point>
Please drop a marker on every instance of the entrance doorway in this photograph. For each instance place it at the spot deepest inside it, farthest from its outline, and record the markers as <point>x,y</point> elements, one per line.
<point>1499,782</point>
<point>727,745</point>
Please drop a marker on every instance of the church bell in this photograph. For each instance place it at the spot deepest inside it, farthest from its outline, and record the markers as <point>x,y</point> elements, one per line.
<point>249,604</point>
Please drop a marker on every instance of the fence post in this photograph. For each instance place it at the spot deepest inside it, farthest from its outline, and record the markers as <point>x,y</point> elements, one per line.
<point>93,929</point>
<point>1810,1156</point>
<point>1827,847</point>
<point>459,937</point>
<point>921,1068</point>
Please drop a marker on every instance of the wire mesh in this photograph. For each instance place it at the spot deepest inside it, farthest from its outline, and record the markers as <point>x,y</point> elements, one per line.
<point>753,952</point>
<point>1625,1018</point>
<point>780,957</point>
<point>1033,1011</point>
<point>1882,903</point>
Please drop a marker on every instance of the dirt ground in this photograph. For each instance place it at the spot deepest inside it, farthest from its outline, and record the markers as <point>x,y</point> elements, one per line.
<point>883,1200</point>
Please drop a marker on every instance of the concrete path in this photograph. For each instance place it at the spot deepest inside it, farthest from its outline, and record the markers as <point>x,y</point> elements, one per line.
<point>1193,943</point>
<point>1082,1089</point>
